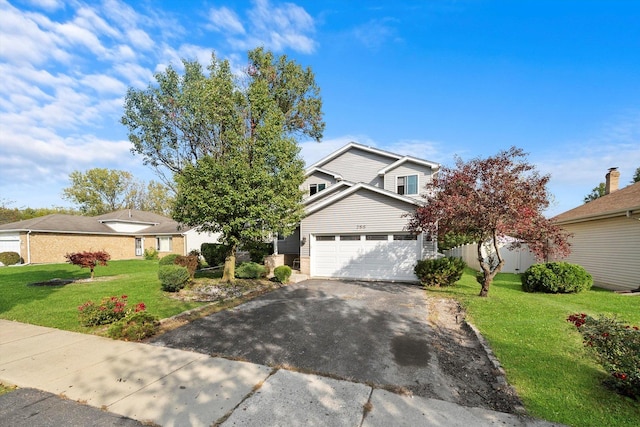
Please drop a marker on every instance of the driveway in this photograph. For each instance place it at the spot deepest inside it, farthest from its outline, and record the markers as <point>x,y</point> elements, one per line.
<point>370,332</point>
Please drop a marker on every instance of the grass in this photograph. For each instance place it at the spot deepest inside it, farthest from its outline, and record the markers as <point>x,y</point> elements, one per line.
<point>57,306</point>
<point>542,354</point>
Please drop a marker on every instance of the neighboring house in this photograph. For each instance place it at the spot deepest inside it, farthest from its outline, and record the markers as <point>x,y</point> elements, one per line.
<point>124,234</point>
<point>357,201</point>
<point>606,235</point>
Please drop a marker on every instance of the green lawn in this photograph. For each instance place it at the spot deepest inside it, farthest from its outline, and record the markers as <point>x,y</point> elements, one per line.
<point>543,355</point>
<point>56,306</point>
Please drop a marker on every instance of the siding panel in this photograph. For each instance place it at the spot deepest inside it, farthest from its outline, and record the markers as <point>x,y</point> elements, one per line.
<point>609,249</point>
<point>359,166</point>
<point>424,176</point>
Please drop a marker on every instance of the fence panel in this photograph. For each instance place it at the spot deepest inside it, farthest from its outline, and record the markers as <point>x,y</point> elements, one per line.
<point>517,260</point>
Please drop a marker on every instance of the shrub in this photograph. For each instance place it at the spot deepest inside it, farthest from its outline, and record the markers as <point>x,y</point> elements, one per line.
<point>168,259</point>
<point>135,327</point>
<point>444,271</point>
<point>110,309</point>
<point>150,254</point>
<point>282,273</point>
<point>189,262</point>
<point>617,348</point>
<point>556,277</point>
<point>214,253</point>
<point>9,258</point>
<point>88,259</point>
<point>250,270</point>
<point>173,277</point>
<point>258,250</point>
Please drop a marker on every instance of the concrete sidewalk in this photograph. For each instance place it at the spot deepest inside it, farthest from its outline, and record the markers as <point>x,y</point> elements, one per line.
<point>168,387</point>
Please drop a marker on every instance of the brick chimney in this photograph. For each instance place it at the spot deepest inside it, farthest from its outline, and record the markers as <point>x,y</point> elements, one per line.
<point>612,181</point>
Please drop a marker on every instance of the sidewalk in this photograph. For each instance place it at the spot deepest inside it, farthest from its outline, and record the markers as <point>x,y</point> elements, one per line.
<point>168,387</point>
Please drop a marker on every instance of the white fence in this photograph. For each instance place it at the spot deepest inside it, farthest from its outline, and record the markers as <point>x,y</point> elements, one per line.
<point>516,260</point>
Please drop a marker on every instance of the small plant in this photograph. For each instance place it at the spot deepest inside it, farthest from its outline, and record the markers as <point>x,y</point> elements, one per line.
<point>556,277</point>
<point>168,259</point>
<point>150,254</point>
<point>617,348</point>
<point>250,270</point>
<point>440,271</point>
<point>110,309</point>
<point>88,259</point>
<point>9,258</point>
<point>136,327</point>
<point>282,273</point>
<point>173,277</point>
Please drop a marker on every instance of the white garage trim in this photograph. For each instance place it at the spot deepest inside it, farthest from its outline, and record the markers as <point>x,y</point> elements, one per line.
<point>10,243</point>
<point>374,256</point>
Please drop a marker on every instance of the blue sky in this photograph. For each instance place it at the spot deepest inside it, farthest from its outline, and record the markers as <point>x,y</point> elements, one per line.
<point>433,79</point>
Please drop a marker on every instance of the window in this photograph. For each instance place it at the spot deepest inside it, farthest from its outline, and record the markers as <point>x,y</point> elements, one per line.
<point>349,237</point>
<point>164,244</point>
<point>325,238</point>
<point>376,237</point>
<point>316,188</point>
<point>405,237</point>
<point>407,184</point>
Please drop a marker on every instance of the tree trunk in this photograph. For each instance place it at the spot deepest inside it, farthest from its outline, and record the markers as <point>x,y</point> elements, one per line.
<point>229,269</point>
<point>91,273</point>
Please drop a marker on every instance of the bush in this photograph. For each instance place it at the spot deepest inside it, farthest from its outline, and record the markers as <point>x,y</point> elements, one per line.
<point>617,348</point>
<point>440,271</point>
<point>282,273</point>
<point>189,262</point>
<point>110,309</point>
<point>214,253</point>
<point>168,259</point>
<point>135,327</point>
<point>150,254</point>
<point>556,277</point>
<point>9,258</point>
<point>173,277</point>
<point>250,270</point>
<point>258,250</point>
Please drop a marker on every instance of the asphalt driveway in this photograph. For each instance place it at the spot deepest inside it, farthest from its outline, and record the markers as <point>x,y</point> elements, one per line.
<point>376,333</point>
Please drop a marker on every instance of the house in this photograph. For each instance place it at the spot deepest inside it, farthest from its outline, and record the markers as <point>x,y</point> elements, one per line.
<point>606,235</point>
<point>124,234</point>
<point>356,201</point>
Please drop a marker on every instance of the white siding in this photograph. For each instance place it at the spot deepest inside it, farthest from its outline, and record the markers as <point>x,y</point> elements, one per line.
<point>195,239</point>
<point>317,178</point>
<point>406,169</point>
<point>609,249</point>
<point>359,166</point>
<point>10,242</point>
<point>375,212</point>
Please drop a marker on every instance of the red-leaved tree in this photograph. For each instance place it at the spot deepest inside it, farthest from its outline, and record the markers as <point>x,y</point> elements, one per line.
<point>88,259</point>
<point>490,199</point>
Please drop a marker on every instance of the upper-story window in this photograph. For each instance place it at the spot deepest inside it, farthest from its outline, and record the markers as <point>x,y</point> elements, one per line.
<point>407,184</point>
<point>316,188</point>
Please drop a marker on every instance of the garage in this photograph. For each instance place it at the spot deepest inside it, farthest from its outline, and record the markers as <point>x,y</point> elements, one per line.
<point>380,256</point>
<point>10,243</point>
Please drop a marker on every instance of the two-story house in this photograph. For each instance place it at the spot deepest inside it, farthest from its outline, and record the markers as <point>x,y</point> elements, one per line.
<point>357,201</point>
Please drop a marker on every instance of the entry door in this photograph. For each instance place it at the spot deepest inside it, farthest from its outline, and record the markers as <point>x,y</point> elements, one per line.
<point>139,246</point>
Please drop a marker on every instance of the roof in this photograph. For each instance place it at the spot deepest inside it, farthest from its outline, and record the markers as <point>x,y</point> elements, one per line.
<point>392,156</point>
<point>61,223</point>
<point>625,201</point>
<point>314,169</point>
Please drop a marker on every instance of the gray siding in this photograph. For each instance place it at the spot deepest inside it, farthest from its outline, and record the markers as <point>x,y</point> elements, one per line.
<point>317,178</point>
<point>359,166</point>
<point>609,249</point>
<point>290,244</point>
<point>364,208</point>
<point>407,168</point>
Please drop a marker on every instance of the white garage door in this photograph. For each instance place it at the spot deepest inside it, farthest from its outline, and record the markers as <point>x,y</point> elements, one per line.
<point>10,243</point>
<point>366,256</point>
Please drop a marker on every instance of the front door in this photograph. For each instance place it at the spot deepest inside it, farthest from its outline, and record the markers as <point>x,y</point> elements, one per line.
<point>139,246</point>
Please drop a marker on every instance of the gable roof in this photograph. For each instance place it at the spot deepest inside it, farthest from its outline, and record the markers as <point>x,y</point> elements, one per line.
<point>361,185</point>
<point>325,193</point>
<point>62,223</point>
<point>432,165</point>
<point>314,169</point>
<point>348,147</point>
<point>625,201</point>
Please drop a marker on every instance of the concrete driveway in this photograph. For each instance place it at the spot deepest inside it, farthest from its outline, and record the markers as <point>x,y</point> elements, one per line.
<point>376,333</point>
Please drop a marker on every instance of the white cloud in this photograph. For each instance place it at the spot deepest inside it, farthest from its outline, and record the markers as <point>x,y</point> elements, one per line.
<point>375,33</point>
<point>49,5</point>
<point>225,20</point>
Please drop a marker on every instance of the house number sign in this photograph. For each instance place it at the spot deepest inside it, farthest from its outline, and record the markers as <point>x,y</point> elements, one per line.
<point>360,227</point>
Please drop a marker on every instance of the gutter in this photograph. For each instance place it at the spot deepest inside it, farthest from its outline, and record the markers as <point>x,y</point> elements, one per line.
<point>28,247</point>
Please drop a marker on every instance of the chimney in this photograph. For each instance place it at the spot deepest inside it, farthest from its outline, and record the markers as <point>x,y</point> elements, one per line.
<point>612,181</point>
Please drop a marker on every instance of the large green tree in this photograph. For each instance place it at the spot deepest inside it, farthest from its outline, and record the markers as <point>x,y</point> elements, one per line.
<point>98,191</point>
<point>229,143</point>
